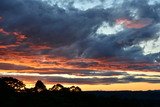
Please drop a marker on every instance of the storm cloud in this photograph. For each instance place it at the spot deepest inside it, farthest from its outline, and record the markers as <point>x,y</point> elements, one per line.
<point>72,32</point>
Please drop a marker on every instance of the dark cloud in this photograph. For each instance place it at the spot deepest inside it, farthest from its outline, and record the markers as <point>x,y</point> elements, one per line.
<point>140,79</point>
<point>72,32</point>
<point>83,64</point>
<point>88,77</point>
<point>7,66</point>
<point>43,23</point>
<point>106,80</point>
<point>87,73</point>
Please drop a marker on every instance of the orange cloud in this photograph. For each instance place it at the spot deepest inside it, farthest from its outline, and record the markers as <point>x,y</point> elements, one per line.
<point>50,63</point>
<point>20,37</point>
<point>7,46</point>
<point>39,61</point>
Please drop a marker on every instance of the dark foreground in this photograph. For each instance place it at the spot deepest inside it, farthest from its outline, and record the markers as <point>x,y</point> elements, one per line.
<point>81,99</point>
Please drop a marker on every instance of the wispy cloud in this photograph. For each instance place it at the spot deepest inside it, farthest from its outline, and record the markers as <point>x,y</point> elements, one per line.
<point>88,77</point>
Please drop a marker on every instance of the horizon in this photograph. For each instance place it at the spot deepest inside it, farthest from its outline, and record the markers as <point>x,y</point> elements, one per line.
<point>106,45</point>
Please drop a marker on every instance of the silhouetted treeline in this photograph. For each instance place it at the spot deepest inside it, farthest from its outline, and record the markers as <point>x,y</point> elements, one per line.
<point>10,84</point>
<point>13,93</point>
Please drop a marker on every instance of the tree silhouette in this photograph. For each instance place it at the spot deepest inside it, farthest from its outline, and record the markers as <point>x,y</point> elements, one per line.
<point>11,84</point>
<point>39,86</point>
<point>74,89</point>
<point>57,87</point>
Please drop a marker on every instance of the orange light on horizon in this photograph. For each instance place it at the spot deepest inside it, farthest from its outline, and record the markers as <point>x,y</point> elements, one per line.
<point>140,86</point>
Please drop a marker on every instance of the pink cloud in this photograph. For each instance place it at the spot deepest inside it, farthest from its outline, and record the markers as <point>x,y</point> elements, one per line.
<point>136,24</point>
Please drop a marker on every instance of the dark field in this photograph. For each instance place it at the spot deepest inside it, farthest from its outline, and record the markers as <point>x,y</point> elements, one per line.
<point>81,99</point>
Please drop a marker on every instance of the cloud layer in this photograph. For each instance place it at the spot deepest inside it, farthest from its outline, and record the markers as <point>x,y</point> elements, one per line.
<point>88,77</point>
<point>69,28</point>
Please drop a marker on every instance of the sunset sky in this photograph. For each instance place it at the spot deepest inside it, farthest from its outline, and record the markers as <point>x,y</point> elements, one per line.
<point>93,44</point>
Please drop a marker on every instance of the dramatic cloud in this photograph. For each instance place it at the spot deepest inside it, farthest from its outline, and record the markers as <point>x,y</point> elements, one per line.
<point>69,28</point>
<point>43,36</point>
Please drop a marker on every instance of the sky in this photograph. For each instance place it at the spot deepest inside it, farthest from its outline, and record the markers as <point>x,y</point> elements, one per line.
<point>93,44</point>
